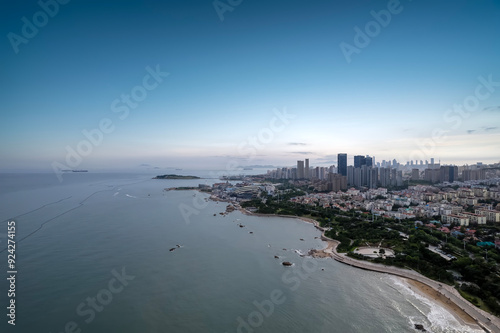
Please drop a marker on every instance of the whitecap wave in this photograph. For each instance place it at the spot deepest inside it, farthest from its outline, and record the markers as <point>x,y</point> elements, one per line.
<point>440,319</point>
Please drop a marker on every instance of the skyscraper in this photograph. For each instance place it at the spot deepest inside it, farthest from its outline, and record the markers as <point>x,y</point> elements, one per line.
<point>448,173</point>
<point>385,177</point>
<point>300,169</point>
<point>350,175</point>
<point>415,175</point>
<point>306,169</point>
<point>357,177</point>
<point>369,161</point>
<point>336,182</point>
<point>359,161</point>
<point>372,177</point>
<point>342,164</point>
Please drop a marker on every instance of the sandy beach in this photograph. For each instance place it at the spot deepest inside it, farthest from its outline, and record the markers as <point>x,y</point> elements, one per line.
<point>439,298</point>
<point>421,288</point>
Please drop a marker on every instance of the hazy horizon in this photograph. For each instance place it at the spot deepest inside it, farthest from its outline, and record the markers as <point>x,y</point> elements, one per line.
<point>189,85</point>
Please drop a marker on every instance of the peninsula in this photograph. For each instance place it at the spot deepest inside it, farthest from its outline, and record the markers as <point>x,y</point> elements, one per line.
<point>400,231</point>
<point>175,177</point>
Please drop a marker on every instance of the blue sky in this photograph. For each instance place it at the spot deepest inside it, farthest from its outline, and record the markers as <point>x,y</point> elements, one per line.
<point>227,79</point>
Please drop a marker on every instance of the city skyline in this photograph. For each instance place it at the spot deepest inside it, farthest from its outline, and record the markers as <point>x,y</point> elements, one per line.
<point>364,172</point>
<point>96,87</point>
<point>350,160</point>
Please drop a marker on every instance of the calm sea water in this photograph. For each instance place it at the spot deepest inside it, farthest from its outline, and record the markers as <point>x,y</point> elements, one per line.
<point>94,254</point>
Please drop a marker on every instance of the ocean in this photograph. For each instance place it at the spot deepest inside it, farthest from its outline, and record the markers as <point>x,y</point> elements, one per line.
<point>117,253</point>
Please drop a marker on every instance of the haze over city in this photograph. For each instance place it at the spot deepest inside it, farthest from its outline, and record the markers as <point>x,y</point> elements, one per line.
<point>193,84</point>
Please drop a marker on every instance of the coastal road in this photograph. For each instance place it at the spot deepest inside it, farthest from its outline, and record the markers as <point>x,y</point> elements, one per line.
<point>487,321</point>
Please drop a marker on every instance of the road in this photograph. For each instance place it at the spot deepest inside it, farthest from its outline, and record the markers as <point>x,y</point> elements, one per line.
<point>487,321</point>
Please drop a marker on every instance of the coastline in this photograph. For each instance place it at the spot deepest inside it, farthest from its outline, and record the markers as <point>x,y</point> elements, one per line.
<point>463,317</point>
<point>445,296</point>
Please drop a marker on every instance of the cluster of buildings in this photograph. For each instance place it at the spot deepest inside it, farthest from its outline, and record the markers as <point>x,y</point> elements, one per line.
<point>457,195</point>
<point>366,173</point>
<point>238,192</point>
<point>362,173</point>
<point>464,206</point>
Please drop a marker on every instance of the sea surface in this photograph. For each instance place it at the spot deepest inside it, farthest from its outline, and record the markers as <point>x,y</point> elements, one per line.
<point>116,252</point>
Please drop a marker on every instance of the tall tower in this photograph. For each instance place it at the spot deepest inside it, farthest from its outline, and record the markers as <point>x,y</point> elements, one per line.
<point>342,164</point>
<point>300,169</point>
<point>359,161</point>
<point>369,161</point>
<point>306,169</point>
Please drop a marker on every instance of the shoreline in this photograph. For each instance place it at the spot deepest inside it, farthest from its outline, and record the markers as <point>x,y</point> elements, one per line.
<point>443,295</point>
<point>423,290</point>
<point>463,311</point>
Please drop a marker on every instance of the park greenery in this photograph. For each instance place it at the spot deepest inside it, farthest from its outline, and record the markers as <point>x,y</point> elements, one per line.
<point>472,269</point>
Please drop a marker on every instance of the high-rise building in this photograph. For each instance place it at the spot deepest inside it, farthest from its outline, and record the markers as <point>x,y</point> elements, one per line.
<point>359,161</point>
<point>415,174</point>
<point>448,173</point>
<point>357,177</point>
<point>431,175</point>
<point>399,178</point>
<point>372,177</point>
<point>385,177</point>
<point>364,175</point>
<point>336,182</point>
<point>479,174</point>
<point>342,164</point>
<point>306,170</point>
<point>350,175</point>
<point>369,161</point>
<point>300,169</point>
<point>393,177</point>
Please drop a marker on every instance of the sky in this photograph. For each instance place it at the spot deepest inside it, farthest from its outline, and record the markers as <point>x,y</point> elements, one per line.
<point>222,84</point>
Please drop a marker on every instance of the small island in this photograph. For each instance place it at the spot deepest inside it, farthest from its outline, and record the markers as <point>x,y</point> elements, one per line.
<point>175,177</point>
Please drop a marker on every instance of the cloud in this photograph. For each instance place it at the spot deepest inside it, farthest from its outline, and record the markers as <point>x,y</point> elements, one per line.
<point>302,152</point>
<point>233,157</point>
<point>328,158</point>
<point>486,129</point>
<point>492,108</point>
<point>297,144</point>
